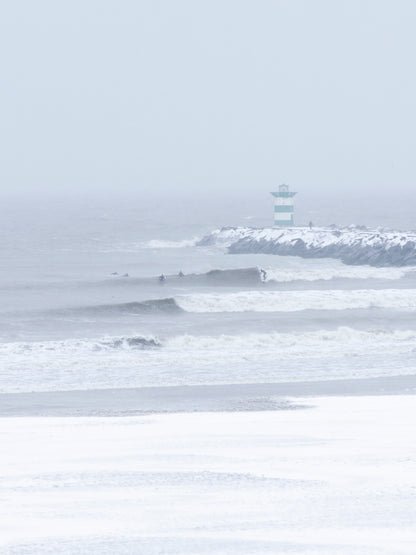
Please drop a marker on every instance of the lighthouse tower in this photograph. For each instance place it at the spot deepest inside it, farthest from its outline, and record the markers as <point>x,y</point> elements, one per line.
<point>283,207</point>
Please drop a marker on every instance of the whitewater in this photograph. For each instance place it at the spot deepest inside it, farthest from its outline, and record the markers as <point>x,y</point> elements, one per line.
<point>128,362</point>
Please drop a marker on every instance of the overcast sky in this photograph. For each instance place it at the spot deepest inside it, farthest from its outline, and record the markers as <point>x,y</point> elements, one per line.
<point>226,94</point>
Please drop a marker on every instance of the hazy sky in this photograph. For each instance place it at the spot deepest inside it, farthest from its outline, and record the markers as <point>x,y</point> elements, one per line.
<point>189,95</point>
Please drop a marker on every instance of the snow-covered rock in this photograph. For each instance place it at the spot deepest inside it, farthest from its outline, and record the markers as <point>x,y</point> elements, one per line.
<point>352,245</point>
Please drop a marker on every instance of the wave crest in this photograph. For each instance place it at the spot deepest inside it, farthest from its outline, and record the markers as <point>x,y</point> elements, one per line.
<point>293,301</point>
<point>167,305</point>
<point>163,244</point>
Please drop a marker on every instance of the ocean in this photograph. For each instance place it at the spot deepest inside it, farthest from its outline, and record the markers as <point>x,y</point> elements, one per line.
<point>82,306</point>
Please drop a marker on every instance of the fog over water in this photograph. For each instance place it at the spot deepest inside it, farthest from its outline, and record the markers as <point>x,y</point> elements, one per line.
<point>230,96</point>
<point>130,131</point>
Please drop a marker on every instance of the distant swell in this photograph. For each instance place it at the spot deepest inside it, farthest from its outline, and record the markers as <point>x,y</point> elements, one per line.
<point>144,307</point>
<point>217,277</point>
<point>240,276</point>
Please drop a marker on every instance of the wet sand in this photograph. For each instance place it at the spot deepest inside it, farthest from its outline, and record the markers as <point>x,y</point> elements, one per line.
<point>198,398</point>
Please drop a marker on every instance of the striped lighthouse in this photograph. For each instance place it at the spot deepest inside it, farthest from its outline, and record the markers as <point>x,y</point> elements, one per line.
<point>283,207</point>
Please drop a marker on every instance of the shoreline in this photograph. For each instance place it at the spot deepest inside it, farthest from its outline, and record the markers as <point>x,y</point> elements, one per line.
<point>195,398</point>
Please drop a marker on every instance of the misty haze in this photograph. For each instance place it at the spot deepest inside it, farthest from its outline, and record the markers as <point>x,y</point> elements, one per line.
<point>208,277</point>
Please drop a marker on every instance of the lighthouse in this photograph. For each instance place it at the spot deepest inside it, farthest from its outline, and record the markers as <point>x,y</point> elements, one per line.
<point>283,207</point>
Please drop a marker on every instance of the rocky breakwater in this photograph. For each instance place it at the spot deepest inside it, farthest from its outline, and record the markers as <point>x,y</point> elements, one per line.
<point>351,245</point>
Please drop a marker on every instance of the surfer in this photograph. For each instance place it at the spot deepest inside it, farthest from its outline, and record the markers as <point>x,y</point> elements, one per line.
<point>263,274</point>
<point>181,274</point>
<point>162,278</point>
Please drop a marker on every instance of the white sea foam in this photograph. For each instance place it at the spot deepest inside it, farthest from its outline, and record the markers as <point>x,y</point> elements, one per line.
<point>191,359</point>
<point>291,341</point>
<point>135,343</point>
<point>163,244</point>
<point>106,344</point>
<point>339,271</point>
<point>291,301</point>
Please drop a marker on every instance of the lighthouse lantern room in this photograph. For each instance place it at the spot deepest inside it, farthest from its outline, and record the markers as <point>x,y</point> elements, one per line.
<point>283,207</point>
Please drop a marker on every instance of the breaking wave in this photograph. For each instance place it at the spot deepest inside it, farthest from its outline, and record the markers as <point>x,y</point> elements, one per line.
<point>263,301</point>
<point>292,301</point>
<point>293,341</point>
<point>186,342</point>
<point>256,275</point>
<point>338,272</point>
<point>71,346</point>
<point>162,244</point>
<point>135,342</point>
<point>139,361</point>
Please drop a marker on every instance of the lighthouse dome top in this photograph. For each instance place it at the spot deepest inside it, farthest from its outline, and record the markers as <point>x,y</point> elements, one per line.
<point>283,191</point>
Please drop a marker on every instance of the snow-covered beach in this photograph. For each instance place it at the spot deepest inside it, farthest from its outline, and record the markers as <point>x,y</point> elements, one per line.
<point>335,476</point>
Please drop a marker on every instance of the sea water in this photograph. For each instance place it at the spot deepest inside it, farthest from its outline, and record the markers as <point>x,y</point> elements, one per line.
<point>82,306</point>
